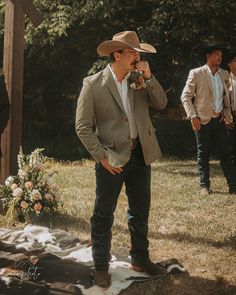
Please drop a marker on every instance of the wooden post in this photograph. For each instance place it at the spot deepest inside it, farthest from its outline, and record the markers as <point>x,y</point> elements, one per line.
<point>13,61</point>
<point>13,68</point>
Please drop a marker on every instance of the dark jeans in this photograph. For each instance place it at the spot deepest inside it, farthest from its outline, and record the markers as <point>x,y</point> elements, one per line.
<point>214,132</point>
<point>136,176</point>
<point>232,136</point>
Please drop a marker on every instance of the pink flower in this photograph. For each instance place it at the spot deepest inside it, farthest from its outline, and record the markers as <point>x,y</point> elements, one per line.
<point>48,197</point>
<point>14,186</point>
<point>38,207</point>
<point>35,195</point>
<point>24,205</point>
<point>28,184</point>
<point>58,197</point>
<point>40,167</point>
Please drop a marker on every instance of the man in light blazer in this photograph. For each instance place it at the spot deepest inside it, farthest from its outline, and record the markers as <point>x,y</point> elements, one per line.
<point>206,101</point>
<point>113,123</point>
<point>232,92</point>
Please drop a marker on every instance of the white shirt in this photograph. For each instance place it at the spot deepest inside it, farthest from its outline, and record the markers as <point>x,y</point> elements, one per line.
<point>122,88</point>
<point>218,89</point>
<point>233,98</point>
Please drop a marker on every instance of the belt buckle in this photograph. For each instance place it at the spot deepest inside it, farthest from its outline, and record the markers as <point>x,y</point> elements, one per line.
<point>216,115</point>
<point>133,143</point>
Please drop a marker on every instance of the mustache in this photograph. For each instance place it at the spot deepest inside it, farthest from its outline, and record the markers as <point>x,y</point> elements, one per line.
<point>134,62</point>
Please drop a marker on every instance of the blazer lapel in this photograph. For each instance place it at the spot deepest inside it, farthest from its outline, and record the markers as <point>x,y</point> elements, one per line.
<point>109,81</point>
<point>226,90</point>
<point>208,79</point>
<point>131,96</point>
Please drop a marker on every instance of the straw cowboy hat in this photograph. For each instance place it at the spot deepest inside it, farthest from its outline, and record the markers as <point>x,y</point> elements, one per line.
<point>124,40</point>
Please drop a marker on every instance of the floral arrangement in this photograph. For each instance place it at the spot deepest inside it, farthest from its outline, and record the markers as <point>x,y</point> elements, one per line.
<point>32,191</point>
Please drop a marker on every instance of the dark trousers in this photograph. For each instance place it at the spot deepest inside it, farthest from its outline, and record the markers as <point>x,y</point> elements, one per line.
<point>215,133</point>
<point>232,136</point>
<point>136,176</point>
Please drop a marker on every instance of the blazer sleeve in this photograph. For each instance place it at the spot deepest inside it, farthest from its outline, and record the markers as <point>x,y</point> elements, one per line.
<point>4,105</point>
<point>188,94</point>
<point>84,122</point>
<point>157,96</point>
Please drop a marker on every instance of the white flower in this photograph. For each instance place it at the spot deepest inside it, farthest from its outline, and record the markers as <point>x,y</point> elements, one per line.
<point>21,159</point>
<point>50,182</point>
<point>35,195</point>
<point>22,174</point>
<point>35,157</point>
<point>9,181</point>
<point>17,192</point>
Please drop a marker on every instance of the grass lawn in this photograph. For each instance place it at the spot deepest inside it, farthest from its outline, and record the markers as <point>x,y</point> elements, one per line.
<point>200,231</point>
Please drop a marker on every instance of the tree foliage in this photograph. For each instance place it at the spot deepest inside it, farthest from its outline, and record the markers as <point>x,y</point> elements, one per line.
<point>62,50</point>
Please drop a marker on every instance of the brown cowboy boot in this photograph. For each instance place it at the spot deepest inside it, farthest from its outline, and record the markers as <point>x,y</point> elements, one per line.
<point>149,267</point>
<point>102,278</point>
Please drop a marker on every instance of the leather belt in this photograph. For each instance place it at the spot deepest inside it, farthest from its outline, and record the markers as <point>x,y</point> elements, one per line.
<point>133,143</point>
<point>216,115</point>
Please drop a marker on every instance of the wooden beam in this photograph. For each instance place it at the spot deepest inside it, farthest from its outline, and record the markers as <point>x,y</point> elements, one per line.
<point>13,64</point>
<point>30,10</point>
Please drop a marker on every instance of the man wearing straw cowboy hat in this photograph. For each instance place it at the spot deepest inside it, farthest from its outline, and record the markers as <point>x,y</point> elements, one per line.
<point>113,123</point>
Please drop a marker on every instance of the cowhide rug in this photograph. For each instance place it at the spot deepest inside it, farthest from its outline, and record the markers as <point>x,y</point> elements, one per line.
<point>37,260</point>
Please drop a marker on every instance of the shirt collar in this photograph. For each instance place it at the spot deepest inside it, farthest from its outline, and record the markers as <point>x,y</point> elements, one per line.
<point>114,75</point>
<point>210,72</point>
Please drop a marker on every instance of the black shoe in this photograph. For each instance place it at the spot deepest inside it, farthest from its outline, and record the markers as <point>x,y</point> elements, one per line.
<point>149,267</point>
<point>102,278</point>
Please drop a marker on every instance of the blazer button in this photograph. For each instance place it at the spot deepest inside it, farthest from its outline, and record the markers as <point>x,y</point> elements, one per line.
<point>126,119</point>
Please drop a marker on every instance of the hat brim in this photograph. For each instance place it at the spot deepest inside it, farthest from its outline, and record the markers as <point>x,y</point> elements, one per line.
<point>107,47</point>
<point>207,49</point>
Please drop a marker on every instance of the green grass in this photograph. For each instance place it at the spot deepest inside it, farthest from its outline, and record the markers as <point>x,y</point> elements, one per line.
<point>200,231</point>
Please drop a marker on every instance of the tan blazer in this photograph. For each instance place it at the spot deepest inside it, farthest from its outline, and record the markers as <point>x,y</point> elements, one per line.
<point>197,96</point>
<point>231,93</point>
<point>102,124</point>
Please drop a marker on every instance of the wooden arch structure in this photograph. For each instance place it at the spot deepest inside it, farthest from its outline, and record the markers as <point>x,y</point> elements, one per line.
<point>13,68</point>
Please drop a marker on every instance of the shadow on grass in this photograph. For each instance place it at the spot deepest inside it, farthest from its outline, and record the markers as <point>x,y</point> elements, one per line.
<point>185,238</point>
<point>179,169</point>
<point>183,284</point>
<point>64,221</point>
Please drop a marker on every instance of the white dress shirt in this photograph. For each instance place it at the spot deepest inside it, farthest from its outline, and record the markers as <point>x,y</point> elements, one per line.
<point>233,97</point>
<point>122,88</point>
<point>218,90</point>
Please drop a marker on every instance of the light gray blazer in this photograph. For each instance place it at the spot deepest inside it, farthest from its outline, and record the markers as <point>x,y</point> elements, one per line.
<point>101,122</point>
